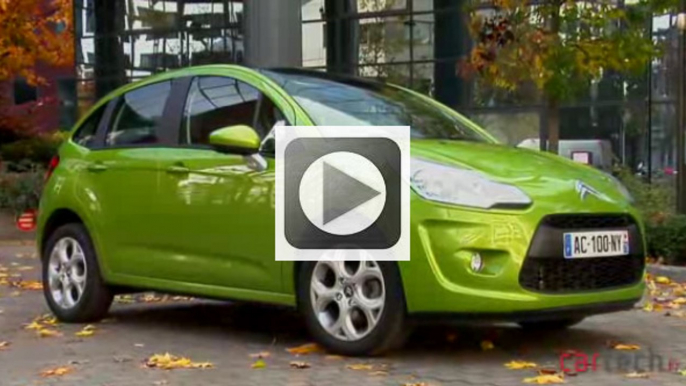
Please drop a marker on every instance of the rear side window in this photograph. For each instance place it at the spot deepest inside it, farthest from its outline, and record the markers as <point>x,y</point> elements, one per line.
<point>138,116</point>
<point>85,134</point>
<point>214,103</point>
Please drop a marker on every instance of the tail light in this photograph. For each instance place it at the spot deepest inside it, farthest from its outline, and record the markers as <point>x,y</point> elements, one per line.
<point>54,162</point>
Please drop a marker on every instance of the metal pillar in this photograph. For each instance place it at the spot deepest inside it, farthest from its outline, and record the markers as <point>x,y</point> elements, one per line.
<point>273,33</point>
<point>681,112</point>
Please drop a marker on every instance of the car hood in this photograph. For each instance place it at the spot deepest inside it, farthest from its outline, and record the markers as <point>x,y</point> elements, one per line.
<point>538,174</point>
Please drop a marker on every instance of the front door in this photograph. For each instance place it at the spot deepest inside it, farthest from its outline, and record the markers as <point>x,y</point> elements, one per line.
<point>220,224</point>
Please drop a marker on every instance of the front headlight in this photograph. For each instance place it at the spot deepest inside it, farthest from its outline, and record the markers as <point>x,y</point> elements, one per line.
<point>452,185</point>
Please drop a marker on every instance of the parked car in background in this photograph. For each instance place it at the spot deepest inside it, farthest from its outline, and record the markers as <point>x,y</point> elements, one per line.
<point>168,185</point>
<point>595,152</point>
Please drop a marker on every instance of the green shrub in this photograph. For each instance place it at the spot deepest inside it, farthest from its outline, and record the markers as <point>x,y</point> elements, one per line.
<point>667,239</point>
<point>665,229</point>
<point>21,191</point>
<point>38,149</point>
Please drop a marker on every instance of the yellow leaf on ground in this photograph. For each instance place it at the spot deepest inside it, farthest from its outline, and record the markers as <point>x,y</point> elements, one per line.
<point>487,345</point>
<point>545,379</point>
<point>30,285</point>
<point>57,372</point>
<point>360,366</point>
<point>682,373</point>
<point>300,365</point>
<point>48,319</point>
<point>679,300</point>
<point>168,361</point>
<point>259,364</point>
<point>33,326</point>
<point>48,333</point>
<point>4,345</point>
<point>518,365</point>
<point>662,280</point>
<point>89,330</point>
<point>626,347</point>
<point>305,349</point>
<point>260,355</point>
<point>636,375</point>
<point>333,357</point>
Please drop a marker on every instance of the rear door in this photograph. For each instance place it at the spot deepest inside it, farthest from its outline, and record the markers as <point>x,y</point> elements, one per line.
<point>120,178</point>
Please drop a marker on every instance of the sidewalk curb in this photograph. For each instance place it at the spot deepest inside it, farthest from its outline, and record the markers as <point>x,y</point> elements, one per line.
<point>673,272</point>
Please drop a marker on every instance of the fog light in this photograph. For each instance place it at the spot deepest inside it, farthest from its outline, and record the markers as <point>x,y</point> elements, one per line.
<point>477,262</point>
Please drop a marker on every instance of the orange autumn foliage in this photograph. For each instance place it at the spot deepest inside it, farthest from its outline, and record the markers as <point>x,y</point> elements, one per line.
<point>34,32</point>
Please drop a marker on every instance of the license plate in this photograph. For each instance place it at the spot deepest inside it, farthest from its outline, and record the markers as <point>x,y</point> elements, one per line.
<point>596,244</point>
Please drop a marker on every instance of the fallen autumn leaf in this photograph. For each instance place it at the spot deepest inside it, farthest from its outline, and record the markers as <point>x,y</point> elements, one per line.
<point>518,365</point>
<point>57,372</point>
<point>545,379</point>
<point>168,361</point>
<point>300,365</point>
<point>305,349</point>
<point>259,364</point>
<point>636,375</point>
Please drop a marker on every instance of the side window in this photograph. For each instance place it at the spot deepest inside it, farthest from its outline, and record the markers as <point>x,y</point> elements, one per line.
<point>139,115</point>
<point>216,102</point>
<point>85,134</point>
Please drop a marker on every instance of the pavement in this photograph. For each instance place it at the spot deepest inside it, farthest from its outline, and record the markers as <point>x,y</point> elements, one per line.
<point>225,334</point>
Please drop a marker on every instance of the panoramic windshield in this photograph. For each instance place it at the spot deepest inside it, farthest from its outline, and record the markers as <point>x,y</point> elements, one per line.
<point>334,101</point>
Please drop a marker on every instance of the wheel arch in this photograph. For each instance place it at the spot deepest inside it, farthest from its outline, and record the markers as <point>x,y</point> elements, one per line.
<point>56,219</point>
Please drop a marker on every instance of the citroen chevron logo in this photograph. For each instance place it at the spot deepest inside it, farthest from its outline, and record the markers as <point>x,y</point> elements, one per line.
<point>584,190</point>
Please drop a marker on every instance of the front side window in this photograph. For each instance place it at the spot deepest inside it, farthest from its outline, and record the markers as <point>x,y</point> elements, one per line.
<point>214,103</point>
<point>138,116</point>
<point>85,134</point>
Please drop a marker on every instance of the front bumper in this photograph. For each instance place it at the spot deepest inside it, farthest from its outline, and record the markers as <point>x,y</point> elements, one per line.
<point>438,278</point>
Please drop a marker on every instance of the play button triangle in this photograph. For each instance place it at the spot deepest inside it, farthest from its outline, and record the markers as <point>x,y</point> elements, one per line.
<point>343,193</point>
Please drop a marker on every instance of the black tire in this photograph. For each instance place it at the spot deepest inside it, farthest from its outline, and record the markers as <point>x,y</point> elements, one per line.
<point>390,332</point>
<point>551,325</point>
<point>95,301</point>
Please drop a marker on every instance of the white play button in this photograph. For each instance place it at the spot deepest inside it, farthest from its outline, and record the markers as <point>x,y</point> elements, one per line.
<point>342,193</point>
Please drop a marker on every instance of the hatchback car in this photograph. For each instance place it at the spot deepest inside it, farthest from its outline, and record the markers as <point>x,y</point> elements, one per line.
<point>168,185</point>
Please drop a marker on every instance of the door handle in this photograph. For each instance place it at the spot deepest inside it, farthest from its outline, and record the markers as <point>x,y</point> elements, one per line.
<point>178,169</point>
<point>96,167</point>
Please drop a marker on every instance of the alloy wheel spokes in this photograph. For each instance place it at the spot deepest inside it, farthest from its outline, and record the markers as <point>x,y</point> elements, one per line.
<point>347,297</point>
<point>67,272</point>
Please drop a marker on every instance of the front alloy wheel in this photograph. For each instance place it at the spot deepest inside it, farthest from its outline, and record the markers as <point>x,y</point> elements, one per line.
<point>353,307</point>
<point>347,297</point>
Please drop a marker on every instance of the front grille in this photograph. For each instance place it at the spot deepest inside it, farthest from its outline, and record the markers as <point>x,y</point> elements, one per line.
<point>588,221</point>
<point>570,275</point>
<point>552,273</point>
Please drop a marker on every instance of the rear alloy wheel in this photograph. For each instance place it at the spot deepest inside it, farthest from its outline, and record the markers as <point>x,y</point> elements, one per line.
<point>353,308</point>
<point>72,284</point>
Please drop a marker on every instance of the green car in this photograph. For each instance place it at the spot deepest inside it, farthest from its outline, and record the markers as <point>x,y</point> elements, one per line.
<point>168,185</point>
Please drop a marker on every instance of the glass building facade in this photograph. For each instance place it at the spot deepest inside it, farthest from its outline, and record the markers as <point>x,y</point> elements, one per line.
<point>415,43</point>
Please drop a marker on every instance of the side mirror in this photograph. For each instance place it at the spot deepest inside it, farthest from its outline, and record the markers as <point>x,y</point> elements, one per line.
<point>239,139</point>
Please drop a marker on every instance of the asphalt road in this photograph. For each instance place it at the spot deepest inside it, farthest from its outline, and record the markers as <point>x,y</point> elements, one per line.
<point>225,334</point>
